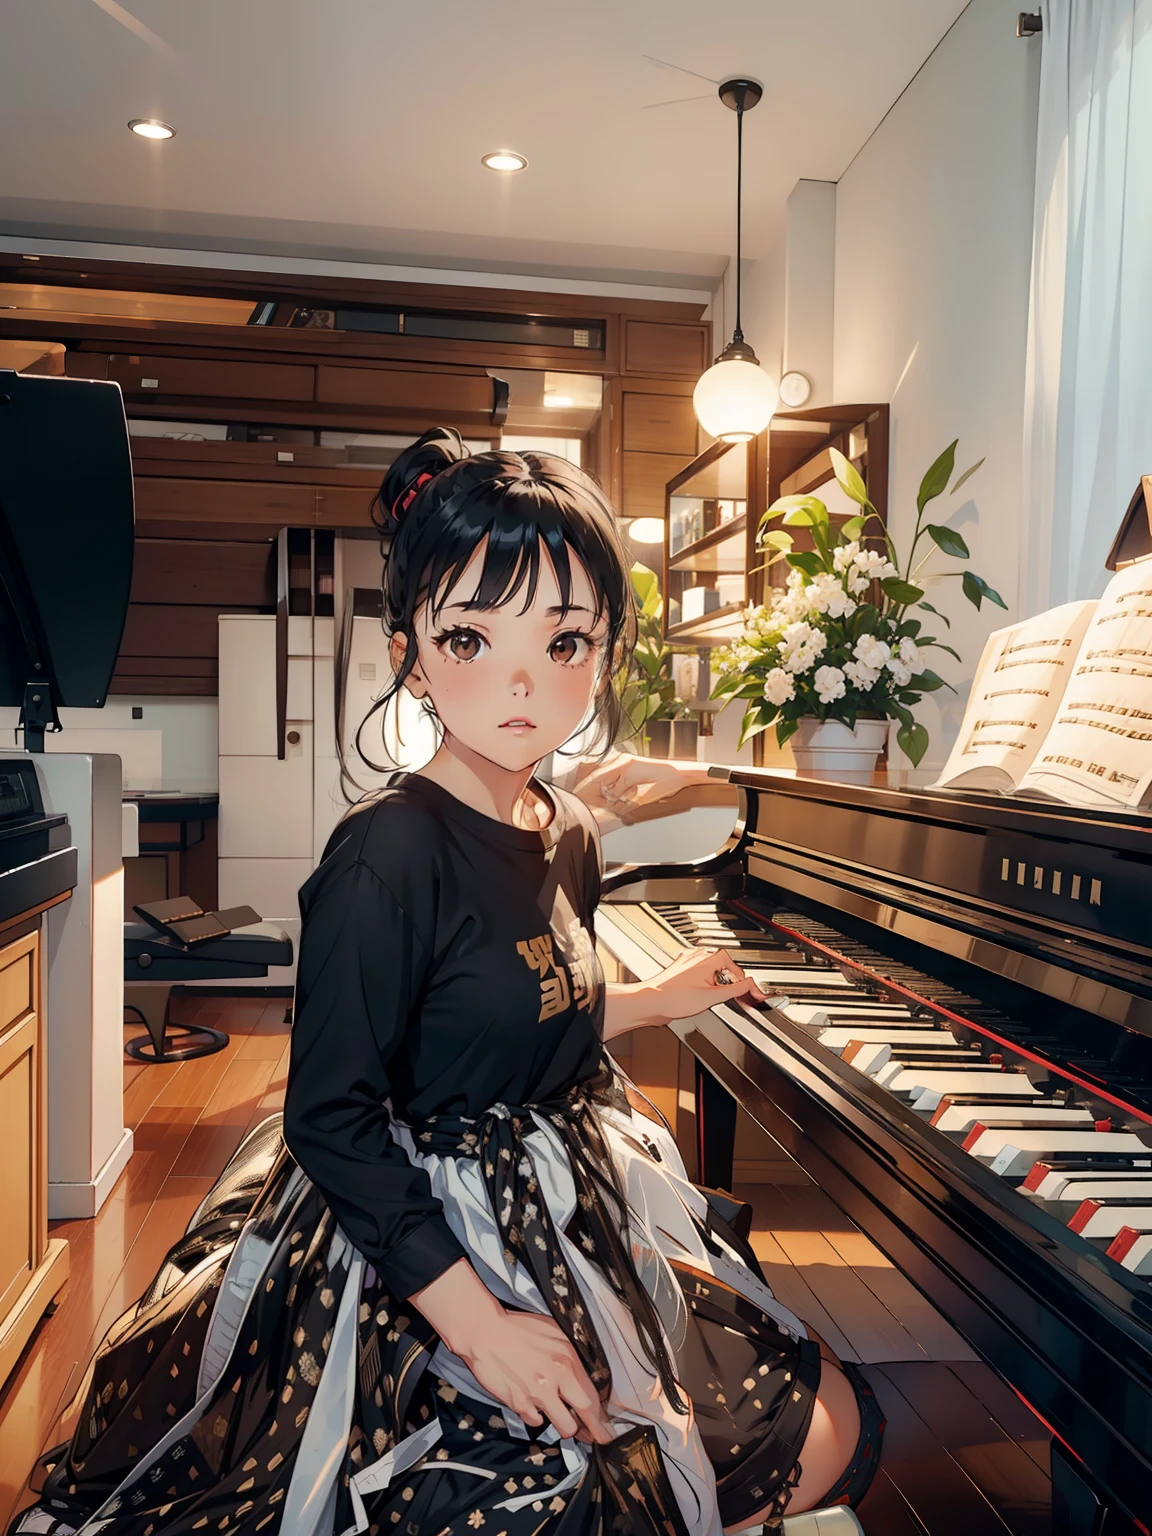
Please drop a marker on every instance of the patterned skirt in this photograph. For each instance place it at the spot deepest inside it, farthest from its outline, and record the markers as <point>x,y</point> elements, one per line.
<point>267,1380</point>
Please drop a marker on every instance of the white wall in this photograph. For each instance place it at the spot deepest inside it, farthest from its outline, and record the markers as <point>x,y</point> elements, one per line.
<point>187,728</point>
<point>933,250</point>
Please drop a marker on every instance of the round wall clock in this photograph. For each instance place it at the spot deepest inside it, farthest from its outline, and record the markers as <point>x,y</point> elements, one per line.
<point>795,389</point>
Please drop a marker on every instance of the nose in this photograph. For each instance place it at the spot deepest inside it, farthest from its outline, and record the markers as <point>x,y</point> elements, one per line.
<point>521,684</point>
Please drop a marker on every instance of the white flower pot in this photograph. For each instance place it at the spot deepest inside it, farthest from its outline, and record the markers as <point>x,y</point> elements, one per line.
<point>829,750</point>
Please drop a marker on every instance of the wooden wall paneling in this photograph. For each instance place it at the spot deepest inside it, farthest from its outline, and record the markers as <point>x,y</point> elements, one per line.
<point>644,477</point>
<point>661,348</point>
<point>659,424</point>
<point>140,373</point>
<point>463,395</point>
<point>226,501</point>
<point>156,629</point>
<point>217,572</point>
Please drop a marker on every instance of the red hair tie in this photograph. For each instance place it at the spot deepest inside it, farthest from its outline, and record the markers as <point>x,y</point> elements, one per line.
<point>406,498</point>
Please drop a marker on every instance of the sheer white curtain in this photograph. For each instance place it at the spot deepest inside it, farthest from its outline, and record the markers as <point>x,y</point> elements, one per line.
<point>1088,412</point>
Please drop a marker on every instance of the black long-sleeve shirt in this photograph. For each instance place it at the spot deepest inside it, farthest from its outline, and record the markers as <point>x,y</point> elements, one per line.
<point>446,963</point>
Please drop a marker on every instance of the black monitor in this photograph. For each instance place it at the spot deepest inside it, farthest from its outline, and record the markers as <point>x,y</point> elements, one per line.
<point>66,537</point>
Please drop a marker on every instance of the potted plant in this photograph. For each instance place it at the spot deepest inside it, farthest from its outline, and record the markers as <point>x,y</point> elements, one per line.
<point>647,690</point>
<point>840,651</point>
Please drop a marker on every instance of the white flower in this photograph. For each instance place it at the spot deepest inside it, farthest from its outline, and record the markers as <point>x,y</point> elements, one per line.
<point>800,647</point>
<point>792,603</point>
<point>843,556</point>
<point>901,672</point>
<point>827,595</point>
<point>829,684</point>
<point>870,562</point>
<point>860,676</point>
<point>871,651</point>
<point>910,654</point>
<point>779,686</point>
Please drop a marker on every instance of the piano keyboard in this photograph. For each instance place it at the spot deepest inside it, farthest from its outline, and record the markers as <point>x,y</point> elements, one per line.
<point>1040,1127</point>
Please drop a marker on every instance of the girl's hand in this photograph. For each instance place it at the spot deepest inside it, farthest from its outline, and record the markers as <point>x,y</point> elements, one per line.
<point>527,1363</point>
<point>689,985</point>
<point>625,783</point>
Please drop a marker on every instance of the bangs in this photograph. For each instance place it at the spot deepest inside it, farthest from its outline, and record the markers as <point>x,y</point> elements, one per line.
<point>526,526</point>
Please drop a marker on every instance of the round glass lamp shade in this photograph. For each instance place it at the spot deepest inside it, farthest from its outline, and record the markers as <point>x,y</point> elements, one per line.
<point>734,400</point>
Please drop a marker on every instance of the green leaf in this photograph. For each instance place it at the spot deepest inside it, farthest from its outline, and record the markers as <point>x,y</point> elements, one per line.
<point>947,540</point>
<point>968,473</point>
<point>806,560</point>
<point>939,646</point>
<point>785,729</point>
<point>898,712</point>
<point>777,539</point>
<point>852,529</point>
<point>902,592</point>
<point>976,588</point>
<point>928,682</point>
<point>848,478</point>
<point>646,586</point>
<point>913,741</point>
<point>937,478</point>
<point>801,511</point>
<point>938,614</point>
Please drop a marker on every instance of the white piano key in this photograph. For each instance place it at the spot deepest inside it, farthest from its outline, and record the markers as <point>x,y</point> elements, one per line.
<point>803,1013</point>
<point>837,1036</point>
<point>1093,1220</point>
<point>797,977</point>
<point>870,1057</point>
<point>927,1088</point>
<point>962,1117</point>
<point>1012,1153</point>
<point>1133,1250</point>
<point>1061,1186</point>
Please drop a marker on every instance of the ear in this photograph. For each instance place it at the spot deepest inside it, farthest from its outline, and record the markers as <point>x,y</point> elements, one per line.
<point>414,682</point>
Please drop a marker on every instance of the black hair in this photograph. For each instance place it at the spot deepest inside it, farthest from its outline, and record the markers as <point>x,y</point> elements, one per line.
<point>439,503</point>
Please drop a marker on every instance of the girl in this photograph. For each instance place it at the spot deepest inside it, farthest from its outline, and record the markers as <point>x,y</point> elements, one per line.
<point>470,1285</point>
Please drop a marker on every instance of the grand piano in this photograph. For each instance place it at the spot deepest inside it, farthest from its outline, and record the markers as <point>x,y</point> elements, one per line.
<point>958,1049</point>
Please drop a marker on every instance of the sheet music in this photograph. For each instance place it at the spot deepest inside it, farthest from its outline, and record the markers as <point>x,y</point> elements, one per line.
<point>1099,749</point>
<point>1015,697</point>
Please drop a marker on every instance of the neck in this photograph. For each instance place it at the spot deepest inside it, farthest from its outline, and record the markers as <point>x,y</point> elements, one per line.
<point>484,785</point>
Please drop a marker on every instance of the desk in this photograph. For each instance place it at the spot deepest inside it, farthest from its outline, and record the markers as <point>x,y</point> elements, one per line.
<point>178,847</point>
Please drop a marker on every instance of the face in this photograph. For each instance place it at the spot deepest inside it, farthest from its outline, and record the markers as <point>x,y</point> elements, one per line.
<point>509,683</point>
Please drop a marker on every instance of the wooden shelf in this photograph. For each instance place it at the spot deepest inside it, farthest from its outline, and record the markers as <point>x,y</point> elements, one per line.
<point>702,631</point>
<point>682,559</point>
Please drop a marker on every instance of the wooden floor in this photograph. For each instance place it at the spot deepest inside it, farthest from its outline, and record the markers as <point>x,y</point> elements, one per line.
<point>962,1455</point>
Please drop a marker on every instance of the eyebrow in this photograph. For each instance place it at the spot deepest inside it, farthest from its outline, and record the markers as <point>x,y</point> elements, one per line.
<point>557,608</point>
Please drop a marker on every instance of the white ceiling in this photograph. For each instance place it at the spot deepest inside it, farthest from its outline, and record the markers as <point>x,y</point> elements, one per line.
<point>354,128</point>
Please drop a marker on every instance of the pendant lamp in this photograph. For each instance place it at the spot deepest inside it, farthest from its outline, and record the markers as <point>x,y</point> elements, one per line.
<point>735,399</point>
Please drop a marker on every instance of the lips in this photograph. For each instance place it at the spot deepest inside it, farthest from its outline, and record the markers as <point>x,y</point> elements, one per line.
<point>518,723</point>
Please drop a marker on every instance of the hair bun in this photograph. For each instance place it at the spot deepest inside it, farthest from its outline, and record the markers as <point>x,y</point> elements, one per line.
<point>436,450</point>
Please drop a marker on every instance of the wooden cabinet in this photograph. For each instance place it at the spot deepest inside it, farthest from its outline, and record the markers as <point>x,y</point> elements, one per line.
<point>32,1267</point>
<point>146,374</point>
<point>658,347</point>
<point>659,424</point>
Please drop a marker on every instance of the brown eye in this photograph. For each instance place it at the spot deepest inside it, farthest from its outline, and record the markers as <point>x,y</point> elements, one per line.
<point>463,644</point>
<point>570,650</point>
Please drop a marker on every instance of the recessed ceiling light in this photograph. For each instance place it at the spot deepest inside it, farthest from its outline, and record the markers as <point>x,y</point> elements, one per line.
<point>559,402</point>
<point>504,160</point>
<point>151,128</point>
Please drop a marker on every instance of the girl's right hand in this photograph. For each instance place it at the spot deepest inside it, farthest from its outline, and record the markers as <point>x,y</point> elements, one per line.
<point>525,1361</point>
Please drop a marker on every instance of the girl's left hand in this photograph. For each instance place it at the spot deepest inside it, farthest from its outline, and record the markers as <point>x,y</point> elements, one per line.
<point>689,985</point>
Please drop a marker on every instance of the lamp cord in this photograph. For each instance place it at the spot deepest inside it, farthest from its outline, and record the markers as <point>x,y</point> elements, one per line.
<point>738,334</point>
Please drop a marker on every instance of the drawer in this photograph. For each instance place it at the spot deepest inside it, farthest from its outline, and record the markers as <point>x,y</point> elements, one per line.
<point>659,424</point>
<point>144,375</point>
<point>659,347</point>
<point>392,388</point>
<point>17,985</point>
